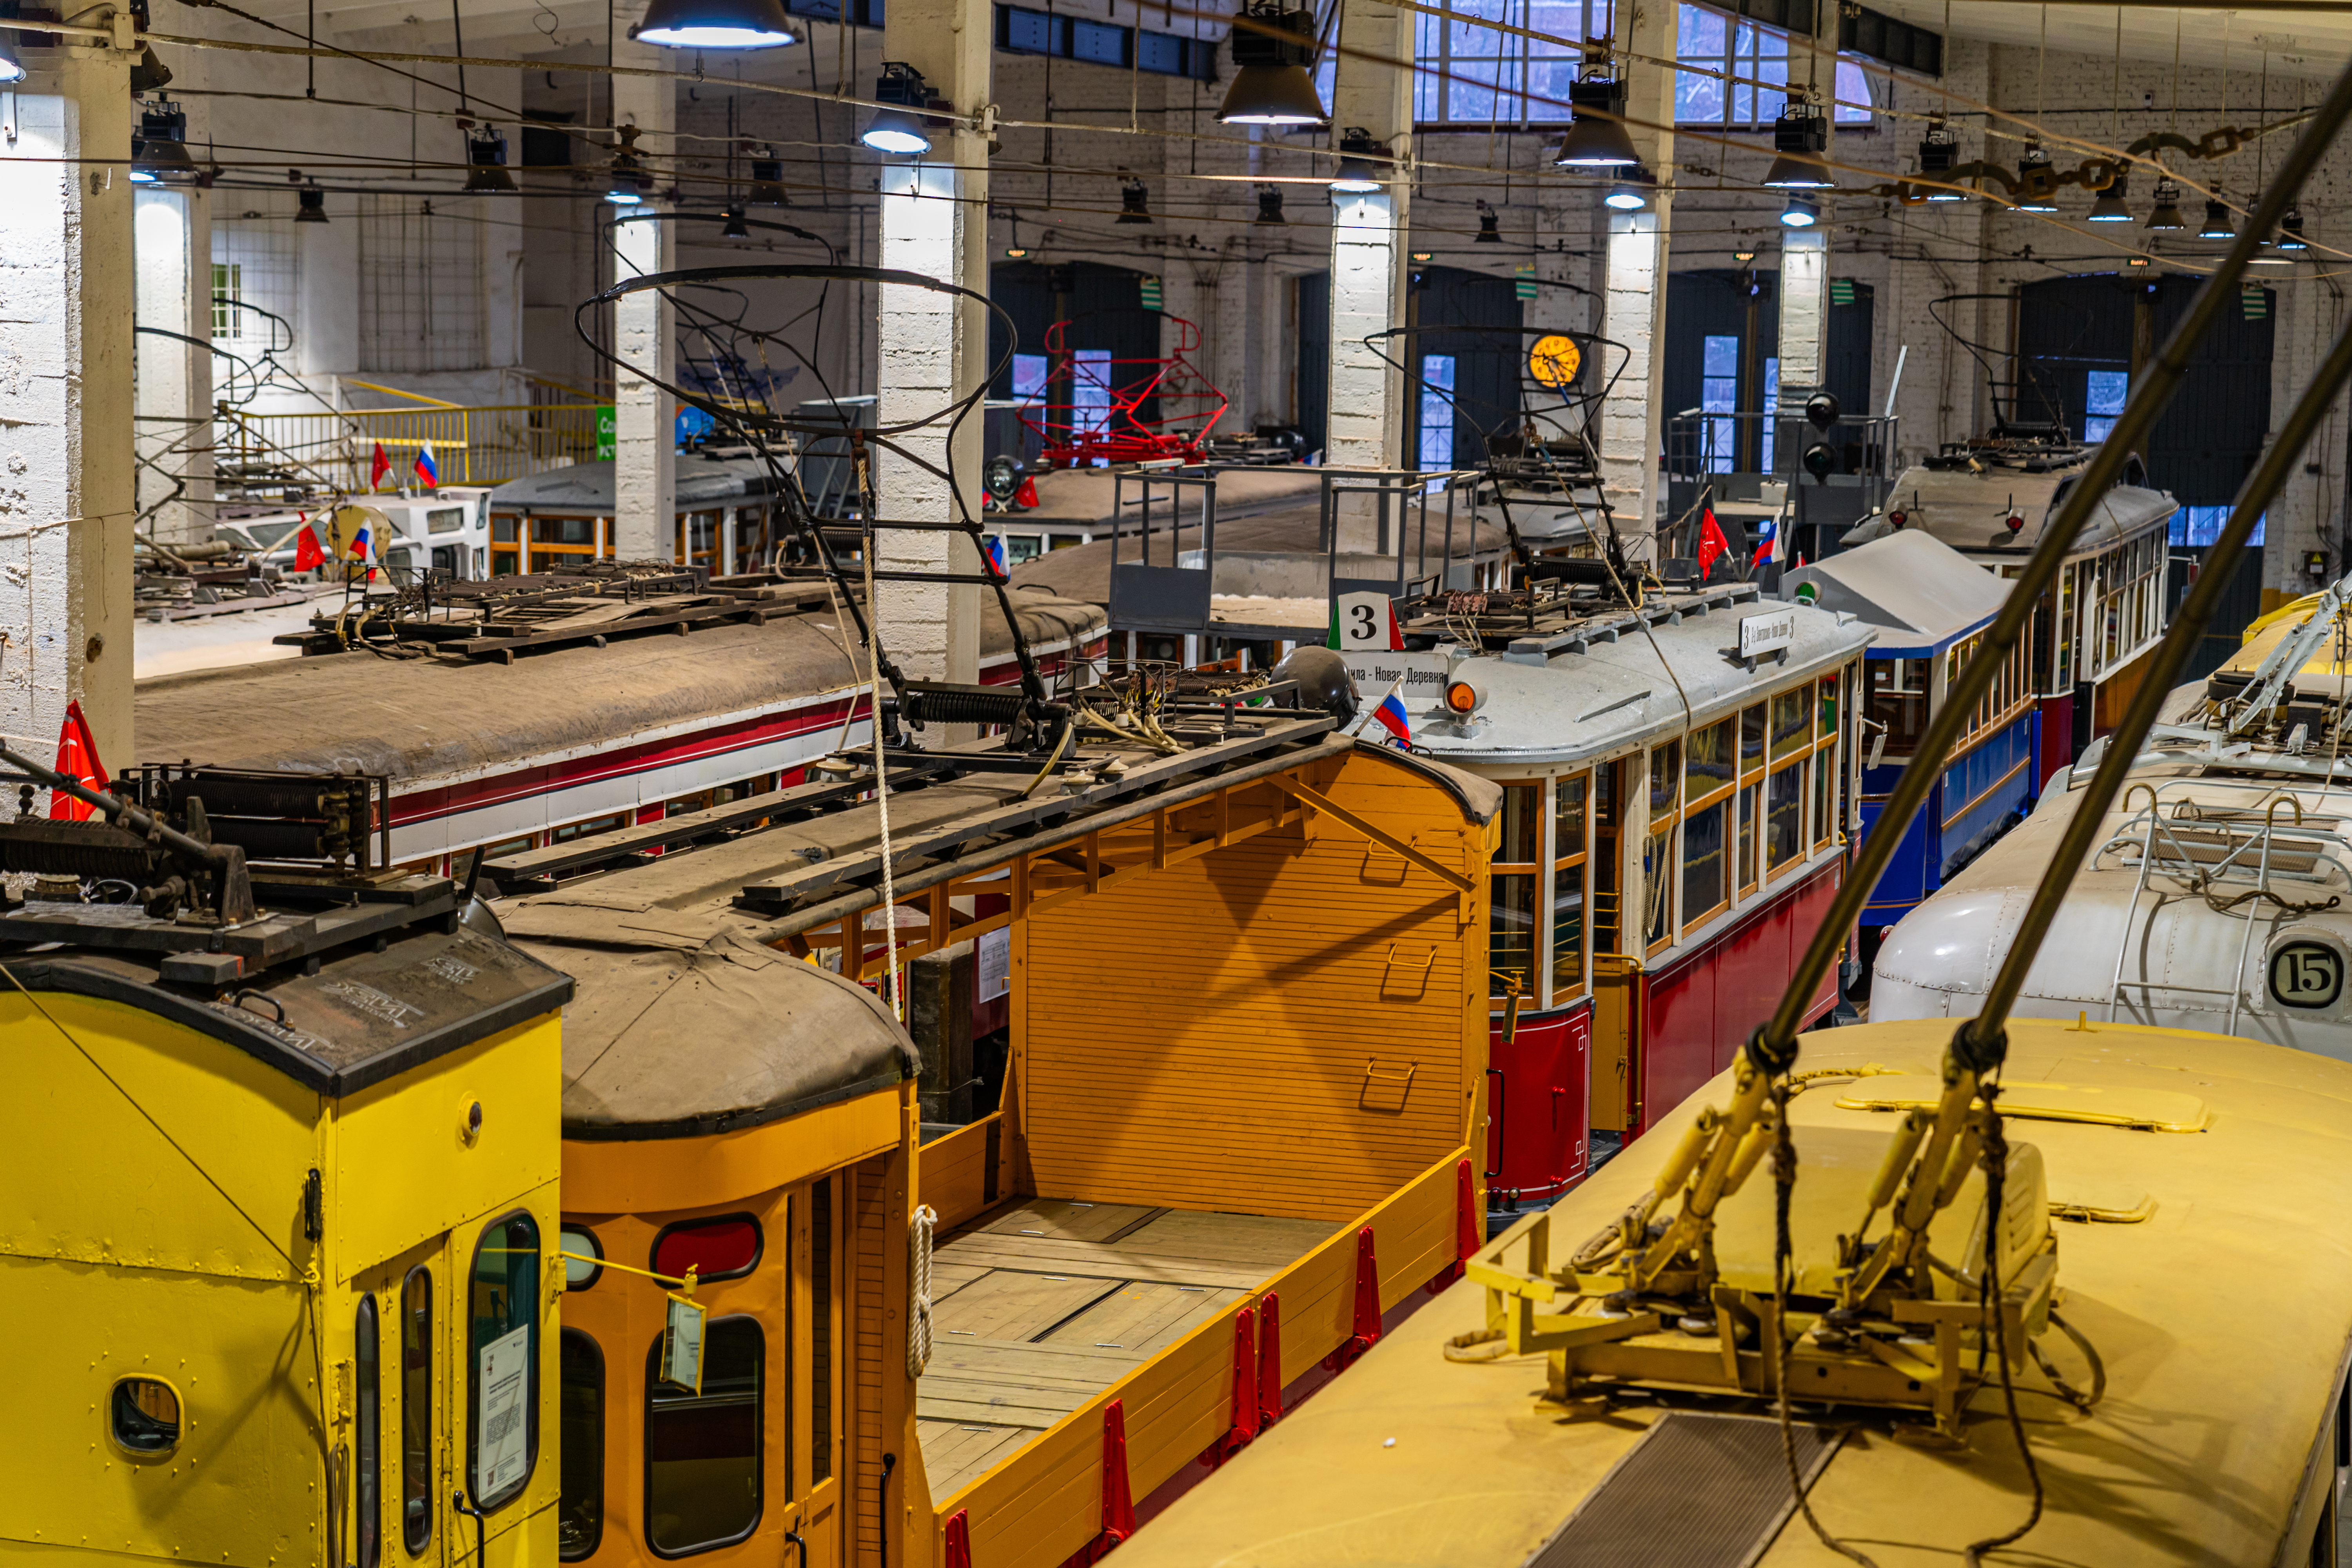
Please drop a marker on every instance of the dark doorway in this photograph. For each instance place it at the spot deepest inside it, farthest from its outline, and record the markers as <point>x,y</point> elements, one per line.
<point>1461,385</point>
<point>1314,411</point>
<point>1723,354</point>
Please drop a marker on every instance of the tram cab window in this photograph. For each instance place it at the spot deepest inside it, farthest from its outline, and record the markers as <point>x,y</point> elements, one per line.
<point>502,1362</point>
<point>1511,935</point>
<point>580,1511</point>
<point>1709,772</point>
<point>723,1248</point>
<point>1899,699</point>
<point>144,1414</point>
<point>1568,871</point>
<point>367,1436</point>
<point>582,1250</point>
<point>1607,863</point>
<point>1657,849</point>
<point>702,1450</point>
<point>1825,770</point>
<point>1752,725</point>
<point>445,519</point>
<point>417,1479</point>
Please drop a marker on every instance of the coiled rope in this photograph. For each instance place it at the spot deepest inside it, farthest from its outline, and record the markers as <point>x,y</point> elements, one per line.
<point>919,1229</point>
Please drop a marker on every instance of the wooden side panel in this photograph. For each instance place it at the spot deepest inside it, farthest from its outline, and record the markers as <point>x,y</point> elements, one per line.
<point>1292,1026</point>
<point>871,1233</point>
<point>957,1180</point>
<point>1044,1502</point>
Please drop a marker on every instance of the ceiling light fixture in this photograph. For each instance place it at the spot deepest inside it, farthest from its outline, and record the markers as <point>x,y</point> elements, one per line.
<point>1134,202</point>
<point>1802,211</point>
<point>625,178</point>
<point>768,182</point>
<point>715,25</point>
<point>1490,226</point>
<point>160,152</point>
<point>1939,151</point>
<point>1272,84</point>
<point>1800,139</point>
<point>736,227</point>
<point>2167,214</point>
<point>1596,135</point>
<point>2290,235</point>
<point>897,128</point>
<point>485,162</point>
<point>313,201</point>
<point>2109,207</point>
<point>2217,223</point>
<point>2036,181</point>
<point>1363,162</point>
<point>1270,204</point>
<point>1631,194</point>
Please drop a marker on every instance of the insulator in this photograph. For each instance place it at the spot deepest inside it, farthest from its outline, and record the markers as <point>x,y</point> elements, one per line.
<point>963,705</point>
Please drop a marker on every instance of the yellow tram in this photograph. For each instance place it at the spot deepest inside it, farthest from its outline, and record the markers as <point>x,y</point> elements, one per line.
<point>280,1147</point>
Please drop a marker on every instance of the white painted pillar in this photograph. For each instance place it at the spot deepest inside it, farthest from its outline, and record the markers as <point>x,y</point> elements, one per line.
<point>1370,232</point>
<point>173,254</point>
<point>1634,289</point>
<point>1804,285</point>
<point>644,328</point>
<point>933,347</point>
<point>66,490</point>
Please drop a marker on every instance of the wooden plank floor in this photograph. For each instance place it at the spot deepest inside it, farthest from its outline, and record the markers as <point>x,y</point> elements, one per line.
<point>1040,1304</point>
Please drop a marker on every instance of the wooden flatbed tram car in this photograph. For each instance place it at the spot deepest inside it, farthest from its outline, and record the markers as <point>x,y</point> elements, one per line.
<point>995,1347</point>
<point>279,1242</point>
<point>1673,825</point>
<point>2170,1162</point>
<point>1930,607</point>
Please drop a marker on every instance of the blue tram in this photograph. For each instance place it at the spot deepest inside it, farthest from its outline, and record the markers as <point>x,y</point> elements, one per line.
<point>1931,606</point>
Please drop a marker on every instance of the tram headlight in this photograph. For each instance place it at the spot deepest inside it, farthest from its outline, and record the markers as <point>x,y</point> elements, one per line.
<point>2015,523</point>
<point>1898,519</point>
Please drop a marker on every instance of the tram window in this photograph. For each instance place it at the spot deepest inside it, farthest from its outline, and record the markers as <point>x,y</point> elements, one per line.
<point>580,1510</point>
<point>1665,770</point>
<point>1704,890</point>
<point>725,1248</point>
<point>146,1417</point>
<point>1567,851</point>
<point>1825,794</point>
<point>1522,824</point>
<point>1658,885</point>
<point>445,519</point>
<point>1784,812</point>
<point>1608,856</point>
<point>1899,701</point>
<point>1751,741</point>
<point>416,1487</point>
<point>1828,728</point>
<point>502,1361</point>
<point>702,1450</point>
<point>579,1243</point>
<point>1748,837</point>
<point>1792,722</point>
<point>367,1438</point>
<point>1708,766</point>
<point>1511,939</point>
<point>821,1330</point>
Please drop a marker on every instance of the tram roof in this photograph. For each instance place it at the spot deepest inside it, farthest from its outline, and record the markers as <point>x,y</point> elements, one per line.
<point>1677,662</point>
<point>1921,593</point>
<point>414,720</point>
<point>587,487</point>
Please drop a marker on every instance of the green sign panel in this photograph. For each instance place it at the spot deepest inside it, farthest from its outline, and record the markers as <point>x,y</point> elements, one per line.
<point>606,447</point>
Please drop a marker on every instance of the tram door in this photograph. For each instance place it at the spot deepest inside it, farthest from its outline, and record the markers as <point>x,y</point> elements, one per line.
<point>1616,974</point>
<point>817,1415</point>
<point>394,1350</point>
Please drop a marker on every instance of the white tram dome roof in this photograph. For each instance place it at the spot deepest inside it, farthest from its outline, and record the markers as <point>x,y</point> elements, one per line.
<point>678,1039</point>
<point>1919,591</point>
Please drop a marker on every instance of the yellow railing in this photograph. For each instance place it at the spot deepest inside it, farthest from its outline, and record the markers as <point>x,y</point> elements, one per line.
<point>471,445</point>
<point>1045,1502</point>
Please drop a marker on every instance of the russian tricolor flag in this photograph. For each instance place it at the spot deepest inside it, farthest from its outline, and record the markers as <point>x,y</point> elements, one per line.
<point>360,543</point>
<point>1768,551</point>
<point>429,472</point>
<point>1391,715</point>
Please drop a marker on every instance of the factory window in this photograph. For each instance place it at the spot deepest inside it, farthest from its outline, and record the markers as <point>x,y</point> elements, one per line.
<point>2102,399</point>
<point>228,285</point>
<point>1569,855</point>
<point>1739,74</point>
<point>1030,373</point>
<point>367,1439</point>
<point>1473,73</point>
<point>1090,389</point>
<point>580,1246</point>
<point>146,1416</point>
<point>580,1423</point>
<point>1435,445</point>
<point>502,1361</point>
<point>1709,777</point>
<point>1511,937</point>
<point>702,1448</point>
<point>420,286</point>
<point>1718,392</point>
<point>2197,527</point>
<point>714,1249</point>
<point>416,1487</point>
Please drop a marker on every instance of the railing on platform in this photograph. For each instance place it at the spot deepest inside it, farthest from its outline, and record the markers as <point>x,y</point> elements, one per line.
<point>1056,1496</point>
<point>484,445</point>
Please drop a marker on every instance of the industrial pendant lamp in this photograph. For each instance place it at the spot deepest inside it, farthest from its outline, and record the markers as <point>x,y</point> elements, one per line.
<point>1134,202</point>
<point>1272,84</point>
<point>2109,207</point>
<point>2033,174</point>
<point>13,70</point>
<point>2217,223</point>
<point>2167,214</point>
<point>2290,235</point>
<point>715,25</point>
<point>313,203</point>
<point>1270,204</point>
<point>1802,211</point>
<point>897,128</point>
<point>485,162</point>
<point>735,229</point>
<point>1939,149</point>
<point>1631,194</point>
<point>624,181</point>
<point>768,183</point>
<point>1362,162</point>
<point>160,152</point>
<point>1799,138</point>
<point>1596,135</point>
<point>1490,226</point>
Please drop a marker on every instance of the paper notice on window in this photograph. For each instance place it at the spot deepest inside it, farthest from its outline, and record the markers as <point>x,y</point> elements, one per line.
<point>995,978</point>
<point>502,1429</point>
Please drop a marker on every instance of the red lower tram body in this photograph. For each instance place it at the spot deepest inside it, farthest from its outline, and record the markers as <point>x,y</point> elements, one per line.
<point>1645,1040</point>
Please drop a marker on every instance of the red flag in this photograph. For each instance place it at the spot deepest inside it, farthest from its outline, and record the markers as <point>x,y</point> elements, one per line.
<point>77,760</point>
<point>309,553</point>
<point>378,468</point>
<point>1711,543</point>
<point>1026,496</point>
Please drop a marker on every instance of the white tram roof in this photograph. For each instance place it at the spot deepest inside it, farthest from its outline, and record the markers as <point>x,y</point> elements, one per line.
<point>1622,681</point>
<point>1970,509</point>
<point>587,488</point>
<point>1920,593</point>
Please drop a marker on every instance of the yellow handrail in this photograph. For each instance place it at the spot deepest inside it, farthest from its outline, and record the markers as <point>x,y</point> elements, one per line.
<point>395,392</point>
